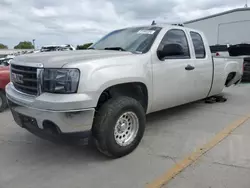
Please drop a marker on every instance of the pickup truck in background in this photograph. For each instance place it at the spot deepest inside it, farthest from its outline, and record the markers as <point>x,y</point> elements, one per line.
<point>108,89</point>
<point>4,80</point>
<point>49,48</point>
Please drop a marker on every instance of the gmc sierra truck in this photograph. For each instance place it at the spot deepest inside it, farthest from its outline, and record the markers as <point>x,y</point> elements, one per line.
<point>108,89</point>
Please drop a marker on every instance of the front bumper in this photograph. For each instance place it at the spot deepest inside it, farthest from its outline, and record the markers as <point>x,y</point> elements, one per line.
<point>65,121</point>
<point>50,131</point>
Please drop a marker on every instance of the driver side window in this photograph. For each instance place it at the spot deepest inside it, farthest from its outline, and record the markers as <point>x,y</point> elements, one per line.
<point>174,45</point>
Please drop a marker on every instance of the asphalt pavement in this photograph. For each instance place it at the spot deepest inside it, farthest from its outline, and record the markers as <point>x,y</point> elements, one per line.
<point>171,135</point>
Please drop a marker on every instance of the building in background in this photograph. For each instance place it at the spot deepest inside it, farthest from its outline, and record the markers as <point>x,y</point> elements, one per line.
<point>230,27</point>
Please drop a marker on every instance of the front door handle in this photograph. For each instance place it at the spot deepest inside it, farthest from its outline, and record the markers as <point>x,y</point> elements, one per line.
<point>189,67</point>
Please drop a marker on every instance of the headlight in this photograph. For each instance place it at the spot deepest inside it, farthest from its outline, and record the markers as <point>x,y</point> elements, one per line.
<point>60,80</point>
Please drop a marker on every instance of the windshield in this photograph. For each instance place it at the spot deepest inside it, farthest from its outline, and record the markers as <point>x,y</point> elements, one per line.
<point>135,40</point>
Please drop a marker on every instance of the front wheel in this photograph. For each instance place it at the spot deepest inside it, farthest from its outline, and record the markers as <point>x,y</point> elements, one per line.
<point>119,126</point>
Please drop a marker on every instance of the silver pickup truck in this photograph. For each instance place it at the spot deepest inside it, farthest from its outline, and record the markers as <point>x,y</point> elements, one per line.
<point>108,89</point>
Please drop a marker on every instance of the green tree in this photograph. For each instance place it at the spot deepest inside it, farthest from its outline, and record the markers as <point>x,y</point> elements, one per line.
<point>2,46</point>
<point>84,46</point>
<point>24,45</point>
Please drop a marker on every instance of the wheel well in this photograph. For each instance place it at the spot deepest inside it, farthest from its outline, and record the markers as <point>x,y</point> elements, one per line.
<point>230,76</point>
<point>134,90</point>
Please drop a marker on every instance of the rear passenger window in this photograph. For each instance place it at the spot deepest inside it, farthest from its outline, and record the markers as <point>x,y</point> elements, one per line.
<point>176,37</point>
<point>199,47</point>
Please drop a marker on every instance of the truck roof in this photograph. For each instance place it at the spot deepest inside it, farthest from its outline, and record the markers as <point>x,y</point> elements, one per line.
<point>167,25</point>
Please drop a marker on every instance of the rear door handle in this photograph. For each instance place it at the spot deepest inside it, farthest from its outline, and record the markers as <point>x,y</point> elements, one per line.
<point>189,67</point>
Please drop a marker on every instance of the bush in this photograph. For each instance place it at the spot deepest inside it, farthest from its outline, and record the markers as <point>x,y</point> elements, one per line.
<point>84,46</point>
<point>24,45</point>
<point>2,46</point>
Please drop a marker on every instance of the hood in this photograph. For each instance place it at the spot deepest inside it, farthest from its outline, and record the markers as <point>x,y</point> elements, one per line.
<point>61,58</point>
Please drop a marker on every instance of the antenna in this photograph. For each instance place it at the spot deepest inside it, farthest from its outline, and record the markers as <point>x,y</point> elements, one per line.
<point>153,23</point>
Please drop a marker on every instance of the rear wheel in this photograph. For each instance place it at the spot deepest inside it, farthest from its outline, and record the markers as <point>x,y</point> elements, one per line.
<point>119,126</point>
<point>3,101</point>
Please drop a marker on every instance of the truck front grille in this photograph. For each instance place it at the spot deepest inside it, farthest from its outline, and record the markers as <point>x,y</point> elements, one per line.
<point>24,79</point>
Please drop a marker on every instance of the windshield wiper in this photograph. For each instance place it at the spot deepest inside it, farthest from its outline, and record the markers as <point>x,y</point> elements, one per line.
<point>115,48</point>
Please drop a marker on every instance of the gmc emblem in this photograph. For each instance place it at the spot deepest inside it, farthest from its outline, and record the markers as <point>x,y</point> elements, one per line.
<point>18,78</point>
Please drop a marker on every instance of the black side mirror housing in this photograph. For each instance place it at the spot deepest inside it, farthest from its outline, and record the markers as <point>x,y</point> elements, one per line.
<point>170,50</point>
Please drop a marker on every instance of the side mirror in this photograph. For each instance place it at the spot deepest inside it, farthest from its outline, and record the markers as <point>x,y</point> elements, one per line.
<point>169,50</point>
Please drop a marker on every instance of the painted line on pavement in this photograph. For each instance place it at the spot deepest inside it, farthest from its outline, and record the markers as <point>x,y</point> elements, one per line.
<point>181,165</point>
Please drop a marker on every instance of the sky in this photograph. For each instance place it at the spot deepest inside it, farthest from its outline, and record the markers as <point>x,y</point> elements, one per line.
<point>82,21</point>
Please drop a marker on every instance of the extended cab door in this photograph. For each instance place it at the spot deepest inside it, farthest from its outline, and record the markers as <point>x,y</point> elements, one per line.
<point>203,64</point>
<point>174,76</point>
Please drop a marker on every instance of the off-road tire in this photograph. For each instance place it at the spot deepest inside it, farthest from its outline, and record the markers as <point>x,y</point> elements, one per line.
<point>105,121</point>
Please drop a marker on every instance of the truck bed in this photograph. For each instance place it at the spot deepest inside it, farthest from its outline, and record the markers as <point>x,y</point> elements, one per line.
<point>227,71</point>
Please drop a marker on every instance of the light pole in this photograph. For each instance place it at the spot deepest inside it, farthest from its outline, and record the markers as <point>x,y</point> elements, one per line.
<point>246,5</point>
<point>34,43</point>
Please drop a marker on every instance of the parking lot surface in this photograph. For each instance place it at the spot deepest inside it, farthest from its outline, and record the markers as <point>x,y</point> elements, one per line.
<point>27,161</point>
